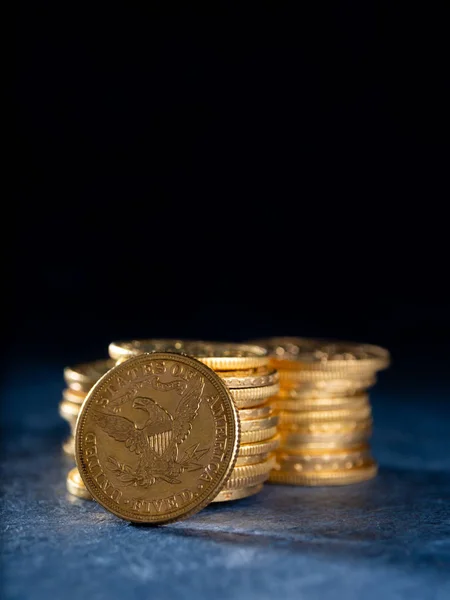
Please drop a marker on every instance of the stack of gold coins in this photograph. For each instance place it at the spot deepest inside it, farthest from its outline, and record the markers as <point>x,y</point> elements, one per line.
<point>79,380</point>
<point>325,419</point>
<point>252,384</point>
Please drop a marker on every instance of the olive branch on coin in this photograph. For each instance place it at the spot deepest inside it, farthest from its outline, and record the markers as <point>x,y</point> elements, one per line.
<point>128,476</point>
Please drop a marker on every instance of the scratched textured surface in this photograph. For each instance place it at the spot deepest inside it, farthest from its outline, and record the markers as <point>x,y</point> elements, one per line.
<point>388,538</point>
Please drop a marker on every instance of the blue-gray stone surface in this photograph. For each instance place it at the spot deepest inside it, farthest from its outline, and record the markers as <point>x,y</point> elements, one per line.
<point>387,538</point>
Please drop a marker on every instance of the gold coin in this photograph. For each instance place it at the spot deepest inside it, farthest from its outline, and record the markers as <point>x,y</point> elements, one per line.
<point>318,404</point>
<point>251,460</point>
<point>249,437</point>
<point>258,424</point>
<point>255,413</point>
<point>68,416</point>
<point>157,438</point>
<point>249,397</point>
<point>69,410</point>
<point>75,485</point>
<point>313,416</point>
<point>69,446</point>
<point>336,443</point>
<point>293,441</point>
<point>325,462</point>
<point>251,378</point>
<point>266,446</point>
<point>327,427</point>
<point>75,396</point>
<point>326,478</point>
<point>325,355</point>
<point>82,377</point>
<point>323,388</point>
<point>220,356</point>
<point>247,481</point>
<point>226,495</point>
<point>323,451</point>
<point>250,475</point>
<point>296,379</point>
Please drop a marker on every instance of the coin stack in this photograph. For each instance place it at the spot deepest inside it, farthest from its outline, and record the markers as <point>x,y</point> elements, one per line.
<point>252,384</point>
<point>325,419</point>
<point>79,380</point>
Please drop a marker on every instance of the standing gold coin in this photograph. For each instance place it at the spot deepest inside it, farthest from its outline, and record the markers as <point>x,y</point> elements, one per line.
<point>75,485</point>
<point>220,356</point>
<point>82,377</point>
<point>157,438</point>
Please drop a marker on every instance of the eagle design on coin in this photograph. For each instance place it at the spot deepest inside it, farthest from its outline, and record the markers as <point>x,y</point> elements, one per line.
<point>157,442</point>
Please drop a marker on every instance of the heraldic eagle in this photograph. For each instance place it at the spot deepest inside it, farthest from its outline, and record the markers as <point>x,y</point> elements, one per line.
<point>156,442</point>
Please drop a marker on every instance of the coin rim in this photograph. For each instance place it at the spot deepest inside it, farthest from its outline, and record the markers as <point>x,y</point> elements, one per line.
<point>251,437</point>
<point>268,445</point>
<point>259,412</point>
<point>261,380</point>
<point>74,374</point>
<point>216,363</point>
<point>325,403</point>
<point>248,425</point>
<point>74,489</point>
<point>240,493</point>
<point>232,422</point>
<point>322,416</point>
<point>354,475</point>
<point>250,397</point>
<point>380,358</point>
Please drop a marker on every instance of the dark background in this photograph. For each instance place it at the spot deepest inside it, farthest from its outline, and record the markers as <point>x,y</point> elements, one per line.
<point>227,173</point>
<point>230,173</point>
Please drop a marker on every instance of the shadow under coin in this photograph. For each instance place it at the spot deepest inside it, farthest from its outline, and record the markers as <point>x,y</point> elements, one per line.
<point>399,517</point>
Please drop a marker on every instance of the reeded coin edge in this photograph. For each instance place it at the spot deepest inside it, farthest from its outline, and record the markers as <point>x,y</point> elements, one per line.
<point>243,395</point>
<point>367,470</point>
<point>260,447</point>
<point>250,437</point>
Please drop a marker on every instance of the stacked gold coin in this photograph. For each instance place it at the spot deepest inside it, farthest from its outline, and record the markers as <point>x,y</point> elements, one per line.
<point>325,418</point>
<point>79,380</point>
<point>252,383</point>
